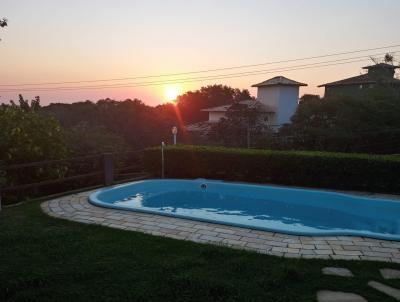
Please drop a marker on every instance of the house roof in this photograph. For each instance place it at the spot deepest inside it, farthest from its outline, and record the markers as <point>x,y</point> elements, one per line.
<point>279,81</point>
<point>225,108</point>
<point>382,65</point>
<point>222,108</point>
<point>199,127</point>
<point>359,80</point>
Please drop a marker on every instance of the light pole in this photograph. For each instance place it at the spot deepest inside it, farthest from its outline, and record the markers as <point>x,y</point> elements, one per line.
<point>162,159</point>
<point>174,133</point>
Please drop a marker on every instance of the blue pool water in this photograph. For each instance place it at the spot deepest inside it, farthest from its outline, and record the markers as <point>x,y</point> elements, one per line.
<point>278,209</point>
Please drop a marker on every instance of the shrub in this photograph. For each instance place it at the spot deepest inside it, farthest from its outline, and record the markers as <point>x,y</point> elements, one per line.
<point>375,173</point>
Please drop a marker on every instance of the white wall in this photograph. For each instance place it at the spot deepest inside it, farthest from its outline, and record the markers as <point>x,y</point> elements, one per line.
<point>269,96</point>
<point>215,116</point>
<point>281,99</point>
<point>288,102</point>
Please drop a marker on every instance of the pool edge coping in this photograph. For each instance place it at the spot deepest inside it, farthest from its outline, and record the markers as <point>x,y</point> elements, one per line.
<point>76,207</point>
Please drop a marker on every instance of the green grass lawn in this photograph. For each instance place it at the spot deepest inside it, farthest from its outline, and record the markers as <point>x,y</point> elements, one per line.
<point>47,259</point>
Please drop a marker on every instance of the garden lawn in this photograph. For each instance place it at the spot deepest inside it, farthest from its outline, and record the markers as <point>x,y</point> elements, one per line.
<point>48,259</point>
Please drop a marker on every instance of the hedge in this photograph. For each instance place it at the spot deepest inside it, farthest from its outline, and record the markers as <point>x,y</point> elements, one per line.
<point>374,173</point>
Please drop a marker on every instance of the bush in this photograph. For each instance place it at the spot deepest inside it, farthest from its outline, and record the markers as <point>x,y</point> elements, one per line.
<point>374,173</point>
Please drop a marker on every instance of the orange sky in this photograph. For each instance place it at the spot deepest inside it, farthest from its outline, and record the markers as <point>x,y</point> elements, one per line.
<point>52,41</point>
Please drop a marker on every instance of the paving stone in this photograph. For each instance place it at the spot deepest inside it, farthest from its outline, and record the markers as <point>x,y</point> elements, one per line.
<point>229,236</point>
<point>388,273</point>
<point>382,259</point>
<point>223,230</point>
<point>384,249</point>
<point>77,208</point>
<point>348,253</point>
<point>337,271</point>
<point>307,252</point>
<point>211,238</point>
<point>292,255</point>
<point>232,242</point>
<point>332,296</point>
<point>258,246</point>
<point>324,252</point>
<point>208,233</point>
<point>390,291</point>
<point>377,254</point>
<point>323,247</point>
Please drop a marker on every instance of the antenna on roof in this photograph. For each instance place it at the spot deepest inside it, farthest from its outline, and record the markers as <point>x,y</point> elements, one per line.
<point>375,60</point>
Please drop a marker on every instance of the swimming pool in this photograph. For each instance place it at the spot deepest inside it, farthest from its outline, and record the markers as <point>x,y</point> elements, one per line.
<point>270,208</point>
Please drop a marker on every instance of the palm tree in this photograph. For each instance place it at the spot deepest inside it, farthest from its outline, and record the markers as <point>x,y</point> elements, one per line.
<point>388,58</point>
<point>3,22</point>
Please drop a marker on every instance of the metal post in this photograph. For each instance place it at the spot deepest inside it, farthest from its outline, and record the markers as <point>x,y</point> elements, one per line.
<point>174,133</point>
<point>108,168</point>
<point>162,159</point>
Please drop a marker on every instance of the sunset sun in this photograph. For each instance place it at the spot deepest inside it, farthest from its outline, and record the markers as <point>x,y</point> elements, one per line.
<point>171,92</point>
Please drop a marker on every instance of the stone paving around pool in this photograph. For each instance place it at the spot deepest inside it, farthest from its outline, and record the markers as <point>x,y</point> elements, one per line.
<point>77,208</point>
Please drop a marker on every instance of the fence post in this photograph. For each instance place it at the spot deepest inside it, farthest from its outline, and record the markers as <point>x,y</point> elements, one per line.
<point>108,166</point>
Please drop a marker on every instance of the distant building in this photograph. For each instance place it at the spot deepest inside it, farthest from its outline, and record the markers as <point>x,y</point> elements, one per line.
<point>277,98</point>
<point>381,74</point>
<point>282,96</point>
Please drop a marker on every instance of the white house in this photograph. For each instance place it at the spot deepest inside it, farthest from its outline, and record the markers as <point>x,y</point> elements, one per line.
<point>279,98</point>
<point>281,95</point>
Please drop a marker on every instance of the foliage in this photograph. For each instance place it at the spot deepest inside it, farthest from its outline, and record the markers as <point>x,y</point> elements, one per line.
<point>26,136</point>
<point>301,168</point>
<point>134,122</point>
<point>85,139</point>
<point>368,124</point>
<point>3,23</point>
<point>388,58</point>
<point>137,124</point>
<point>191,103</point>
<point>245,125</point>
<point>47,259</point>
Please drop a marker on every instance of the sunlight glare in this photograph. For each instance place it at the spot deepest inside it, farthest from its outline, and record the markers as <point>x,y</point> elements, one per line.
<point>171,92</point>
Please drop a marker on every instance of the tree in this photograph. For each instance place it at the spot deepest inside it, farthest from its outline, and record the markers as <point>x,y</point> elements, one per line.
<point>370,123</point>
<point>3,23</point>
<point>27,136</point>
<point>245,125</point>
<point>191,103</point>
<point>389,58</point>
<point>84,139</point>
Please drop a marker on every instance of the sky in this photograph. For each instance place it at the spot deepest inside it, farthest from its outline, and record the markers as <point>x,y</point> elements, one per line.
<point>84,40</point>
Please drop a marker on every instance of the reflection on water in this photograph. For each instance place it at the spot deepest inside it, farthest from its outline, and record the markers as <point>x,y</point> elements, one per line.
<point>132,201</point>
<point>255,212</point>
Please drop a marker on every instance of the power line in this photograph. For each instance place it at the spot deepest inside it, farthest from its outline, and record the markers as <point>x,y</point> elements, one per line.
<point>206,70</point>
<point>196,79</point>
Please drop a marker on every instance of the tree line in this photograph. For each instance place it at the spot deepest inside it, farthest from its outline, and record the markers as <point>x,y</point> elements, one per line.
<point>31,132</point>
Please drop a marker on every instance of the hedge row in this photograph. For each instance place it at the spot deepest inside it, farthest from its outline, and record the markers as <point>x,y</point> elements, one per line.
<point>374,173</point>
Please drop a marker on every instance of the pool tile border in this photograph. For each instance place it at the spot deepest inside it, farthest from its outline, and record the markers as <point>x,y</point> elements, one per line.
<point>77,208</point>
